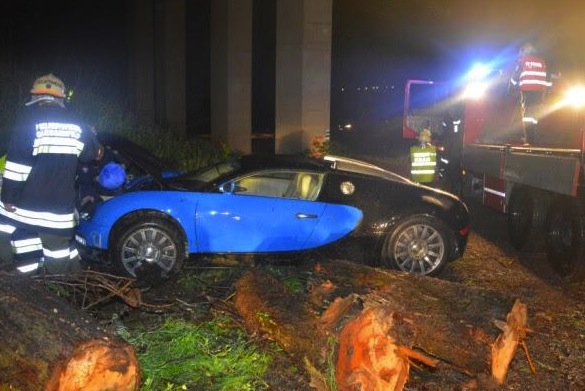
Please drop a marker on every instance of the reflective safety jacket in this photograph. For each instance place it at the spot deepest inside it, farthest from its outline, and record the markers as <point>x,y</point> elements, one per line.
<point>40,170</point>
<point>530,74</point>
<point>423,162</point>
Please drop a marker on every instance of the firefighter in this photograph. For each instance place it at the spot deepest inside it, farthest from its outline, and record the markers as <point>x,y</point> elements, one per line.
<point>450,159</point>
<point>38,190</point>
<point>530,79</point>
<point>423,159</point>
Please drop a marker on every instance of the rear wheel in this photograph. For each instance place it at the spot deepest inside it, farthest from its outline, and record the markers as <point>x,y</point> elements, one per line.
<point>419,245</point>
<point>526,218</point>
<point>565,242</point>
<point>150,249</point>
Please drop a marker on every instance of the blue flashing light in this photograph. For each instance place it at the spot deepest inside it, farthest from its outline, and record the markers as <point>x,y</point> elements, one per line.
<point>479,71</point>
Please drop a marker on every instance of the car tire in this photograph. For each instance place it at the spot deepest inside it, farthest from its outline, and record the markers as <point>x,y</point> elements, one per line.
<point>565,240</point>
<point>149,248</point>
<point>420,245</point>
<point>526,219</point>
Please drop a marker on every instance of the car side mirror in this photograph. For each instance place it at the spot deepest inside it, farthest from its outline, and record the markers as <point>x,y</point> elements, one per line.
<point>227,187</point>
<point>231,188</point>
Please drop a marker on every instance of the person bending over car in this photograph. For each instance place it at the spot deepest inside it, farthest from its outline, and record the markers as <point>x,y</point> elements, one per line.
<point>97,181</point>
<point>38,190</point>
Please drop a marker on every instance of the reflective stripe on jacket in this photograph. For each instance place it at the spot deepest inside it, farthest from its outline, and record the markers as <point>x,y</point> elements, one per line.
<point>530,74</point>
<point>41,166</point>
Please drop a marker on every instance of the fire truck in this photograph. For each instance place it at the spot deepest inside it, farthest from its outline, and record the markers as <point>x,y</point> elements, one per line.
<point>541,187</point>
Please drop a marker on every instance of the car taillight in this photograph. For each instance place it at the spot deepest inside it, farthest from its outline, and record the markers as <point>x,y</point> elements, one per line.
<point>464,231</point>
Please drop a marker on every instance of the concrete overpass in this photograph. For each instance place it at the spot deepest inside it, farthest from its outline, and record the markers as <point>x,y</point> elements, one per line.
<point>253,73</point>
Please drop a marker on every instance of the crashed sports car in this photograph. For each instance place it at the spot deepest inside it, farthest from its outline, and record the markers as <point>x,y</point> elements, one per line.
<point>278,204</point>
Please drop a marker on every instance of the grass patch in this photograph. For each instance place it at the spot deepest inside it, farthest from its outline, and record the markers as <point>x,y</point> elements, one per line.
<point>212,356</point>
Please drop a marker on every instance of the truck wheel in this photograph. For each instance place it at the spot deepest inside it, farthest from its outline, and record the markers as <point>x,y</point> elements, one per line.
<point>565,241</point>
<point>526,218</point>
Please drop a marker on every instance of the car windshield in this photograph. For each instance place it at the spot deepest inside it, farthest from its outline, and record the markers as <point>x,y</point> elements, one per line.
<point>200,178</point>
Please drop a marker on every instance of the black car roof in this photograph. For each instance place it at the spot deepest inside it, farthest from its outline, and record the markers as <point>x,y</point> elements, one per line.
<point>253,162</point>
<point>327,163</point>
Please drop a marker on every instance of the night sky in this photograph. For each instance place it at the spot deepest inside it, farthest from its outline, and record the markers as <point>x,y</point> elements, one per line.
<point>83,42</point>
<point>451,34</point>
<point>374,40</point>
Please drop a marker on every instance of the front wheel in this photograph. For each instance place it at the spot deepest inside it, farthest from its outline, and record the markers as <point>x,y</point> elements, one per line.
<point>419,245</point>
<point>148,249</point>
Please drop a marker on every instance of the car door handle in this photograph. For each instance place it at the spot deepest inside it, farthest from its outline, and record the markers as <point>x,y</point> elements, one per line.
<point>306,216</point>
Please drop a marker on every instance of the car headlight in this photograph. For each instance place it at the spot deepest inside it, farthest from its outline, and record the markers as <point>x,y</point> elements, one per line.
<point>86,212</point>
<point>80,240</point>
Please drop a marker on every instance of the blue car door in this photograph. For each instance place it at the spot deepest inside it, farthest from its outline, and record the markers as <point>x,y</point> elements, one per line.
<point>229,222</point>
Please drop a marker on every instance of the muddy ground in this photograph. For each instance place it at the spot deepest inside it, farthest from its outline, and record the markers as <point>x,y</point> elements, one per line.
<point>555,343</point>
<point>556,312</point>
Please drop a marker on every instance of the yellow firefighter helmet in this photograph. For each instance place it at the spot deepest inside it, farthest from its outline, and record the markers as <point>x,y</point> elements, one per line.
<point>48,85</point>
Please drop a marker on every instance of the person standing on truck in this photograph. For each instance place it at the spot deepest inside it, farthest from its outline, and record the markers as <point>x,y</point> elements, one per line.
<point>531,80</point>
<point>38,190</point>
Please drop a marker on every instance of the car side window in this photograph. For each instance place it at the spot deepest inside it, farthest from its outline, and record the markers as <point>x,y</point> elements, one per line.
<point>282,184</point>
<point>267,184</point>
<point>306,186</point>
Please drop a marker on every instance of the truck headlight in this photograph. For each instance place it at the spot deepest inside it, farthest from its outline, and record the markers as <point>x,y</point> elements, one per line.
<point>475,90</point>
<point>575,97</point>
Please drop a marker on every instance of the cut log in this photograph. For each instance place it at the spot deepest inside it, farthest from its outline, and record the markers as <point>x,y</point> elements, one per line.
<point>368,357</point>
<point>267,307</point>
<point>383,321</point>
<point>50,344</point>
<point>97,364</point>
<point>447,320</point>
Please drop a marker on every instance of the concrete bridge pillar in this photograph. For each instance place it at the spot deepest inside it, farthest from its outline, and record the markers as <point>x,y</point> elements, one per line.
<point>231,73</point>
<point>167,66</point>
<point>303,72</point>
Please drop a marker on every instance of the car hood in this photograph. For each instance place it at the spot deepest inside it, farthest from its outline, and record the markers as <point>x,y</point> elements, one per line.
<point>137,154</point>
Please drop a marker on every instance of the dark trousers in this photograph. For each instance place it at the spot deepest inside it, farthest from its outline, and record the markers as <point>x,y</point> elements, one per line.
<point>32,252</point>
<point>531,102</point>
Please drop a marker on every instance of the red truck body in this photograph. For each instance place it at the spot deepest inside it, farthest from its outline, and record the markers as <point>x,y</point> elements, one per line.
<point>540,187</point>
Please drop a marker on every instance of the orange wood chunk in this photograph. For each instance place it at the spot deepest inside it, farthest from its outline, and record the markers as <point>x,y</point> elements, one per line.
<point>368,358</point>
<point>98,365</point>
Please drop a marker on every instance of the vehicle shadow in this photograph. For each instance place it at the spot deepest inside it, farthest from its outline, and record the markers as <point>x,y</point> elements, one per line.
<point>492,227</point>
